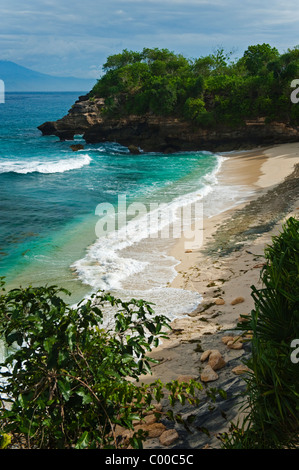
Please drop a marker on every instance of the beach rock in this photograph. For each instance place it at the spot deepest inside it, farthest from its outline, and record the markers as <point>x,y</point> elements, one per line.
<point>238,300</point>
<point>155,429</point>
<point>235,344</point>
<point>208,374</point>
<point>241,369</point>
<point>186,378</point>
<point>126,435</point>
<point>149,419</point>
<point>243,318</point>
<point>219,302</point>
<point>216,360</point>
<point>226,339</point>
<point>205,355</point>
<point>168,437</point>
<point>157,409</point>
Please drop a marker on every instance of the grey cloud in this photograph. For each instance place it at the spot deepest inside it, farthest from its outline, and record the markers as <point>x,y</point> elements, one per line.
<point>54,36</point>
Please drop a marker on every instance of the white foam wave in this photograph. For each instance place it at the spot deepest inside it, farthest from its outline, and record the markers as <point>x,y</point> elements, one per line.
<point>46,167</point>
<point>104,267</point>
<point>171,302</point>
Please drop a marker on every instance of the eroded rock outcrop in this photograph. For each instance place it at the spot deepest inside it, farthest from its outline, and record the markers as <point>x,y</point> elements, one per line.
<point>84,114</point>
<point>163,134</point>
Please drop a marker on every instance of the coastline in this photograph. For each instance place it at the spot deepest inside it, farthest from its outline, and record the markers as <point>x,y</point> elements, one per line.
<point>223,270</point>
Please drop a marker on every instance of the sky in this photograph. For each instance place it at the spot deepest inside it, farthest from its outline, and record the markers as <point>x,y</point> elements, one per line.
<point>74,37</point>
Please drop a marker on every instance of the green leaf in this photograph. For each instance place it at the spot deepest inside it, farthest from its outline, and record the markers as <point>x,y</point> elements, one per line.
<point>83,442</point>
<point>65,389</point>
<point>86,398</point>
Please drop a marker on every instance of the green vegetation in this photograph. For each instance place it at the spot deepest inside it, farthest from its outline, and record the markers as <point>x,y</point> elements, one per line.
<point>207,91</point>
<point>272,398</point>
<point>68,381</point>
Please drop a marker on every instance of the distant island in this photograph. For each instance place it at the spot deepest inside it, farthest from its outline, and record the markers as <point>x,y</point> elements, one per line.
<point>156,100</point>
<point>21,79</point>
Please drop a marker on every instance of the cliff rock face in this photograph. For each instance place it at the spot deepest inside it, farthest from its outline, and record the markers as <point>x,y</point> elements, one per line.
<point>83,114</point>
<point>152,133</point>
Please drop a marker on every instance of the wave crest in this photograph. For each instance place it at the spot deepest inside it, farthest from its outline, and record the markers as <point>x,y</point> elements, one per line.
<point>37,166</point>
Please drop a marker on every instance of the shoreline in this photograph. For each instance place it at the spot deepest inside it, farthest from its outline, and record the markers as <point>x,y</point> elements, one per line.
<point>256,171</point>
<point>223,271</point>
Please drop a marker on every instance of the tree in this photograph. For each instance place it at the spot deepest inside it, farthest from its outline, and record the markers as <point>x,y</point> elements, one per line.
<point>257,57</point>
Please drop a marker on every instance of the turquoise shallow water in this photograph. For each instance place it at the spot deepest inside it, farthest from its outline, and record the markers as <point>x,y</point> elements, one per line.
<point>49,196</point>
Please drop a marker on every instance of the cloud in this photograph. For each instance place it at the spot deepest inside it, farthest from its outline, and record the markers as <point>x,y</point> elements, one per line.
<point>56,36</point>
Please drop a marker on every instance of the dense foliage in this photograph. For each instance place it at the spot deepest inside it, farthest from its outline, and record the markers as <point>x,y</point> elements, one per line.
<point>68,381</point>
<point>207,91</point>
<point>272,399</point>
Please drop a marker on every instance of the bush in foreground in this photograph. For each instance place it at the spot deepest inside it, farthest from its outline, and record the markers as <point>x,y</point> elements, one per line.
<point>67,381</point>
<point>272,398</point>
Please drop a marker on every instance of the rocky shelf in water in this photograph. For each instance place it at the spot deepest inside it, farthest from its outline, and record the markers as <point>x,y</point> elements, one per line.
<point>151,133</point>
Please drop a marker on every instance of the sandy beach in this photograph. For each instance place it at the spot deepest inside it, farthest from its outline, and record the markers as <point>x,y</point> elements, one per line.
<point>223,271</point>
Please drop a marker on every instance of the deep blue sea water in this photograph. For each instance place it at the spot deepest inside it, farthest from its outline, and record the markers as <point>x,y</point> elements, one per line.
<point>49,196</point>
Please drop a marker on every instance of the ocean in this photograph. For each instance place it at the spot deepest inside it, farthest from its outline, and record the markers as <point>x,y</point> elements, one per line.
<point>54,203</point>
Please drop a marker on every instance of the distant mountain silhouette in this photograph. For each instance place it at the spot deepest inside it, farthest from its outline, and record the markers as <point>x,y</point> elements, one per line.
<point>19,78</point>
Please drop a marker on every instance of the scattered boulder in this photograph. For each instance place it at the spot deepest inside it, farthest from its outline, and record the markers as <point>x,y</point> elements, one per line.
<point>238,300</point>
<point>219,302</point>
<point>226,339</point>
<point>168,437</point>
<point>243,318</point>
<point>149,419</point>
<point>185,378</point>
<point>216,360</point>
<point>205,355</point>
<point>208,374</point>
<point>235,344</point>
<point>154,429</point>
<point>241,369</point>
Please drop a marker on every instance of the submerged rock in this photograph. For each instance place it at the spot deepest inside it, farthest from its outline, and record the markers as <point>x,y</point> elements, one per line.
<point>134,150</point>
<point>77,147</point>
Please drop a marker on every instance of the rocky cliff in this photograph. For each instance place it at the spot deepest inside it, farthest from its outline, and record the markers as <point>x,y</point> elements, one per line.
<point>152,133</point>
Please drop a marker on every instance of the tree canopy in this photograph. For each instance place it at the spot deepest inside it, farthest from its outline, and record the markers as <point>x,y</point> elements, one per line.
<point>209,91</point>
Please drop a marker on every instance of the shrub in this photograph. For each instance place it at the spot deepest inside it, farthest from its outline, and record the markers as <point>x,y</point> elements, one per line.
<point>68,381</point>
<point>273,387</point>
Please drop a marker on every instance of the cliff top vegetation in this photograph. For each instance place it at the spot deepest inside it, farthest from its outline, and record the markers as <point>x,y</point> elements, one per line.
<point>208,91</point>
